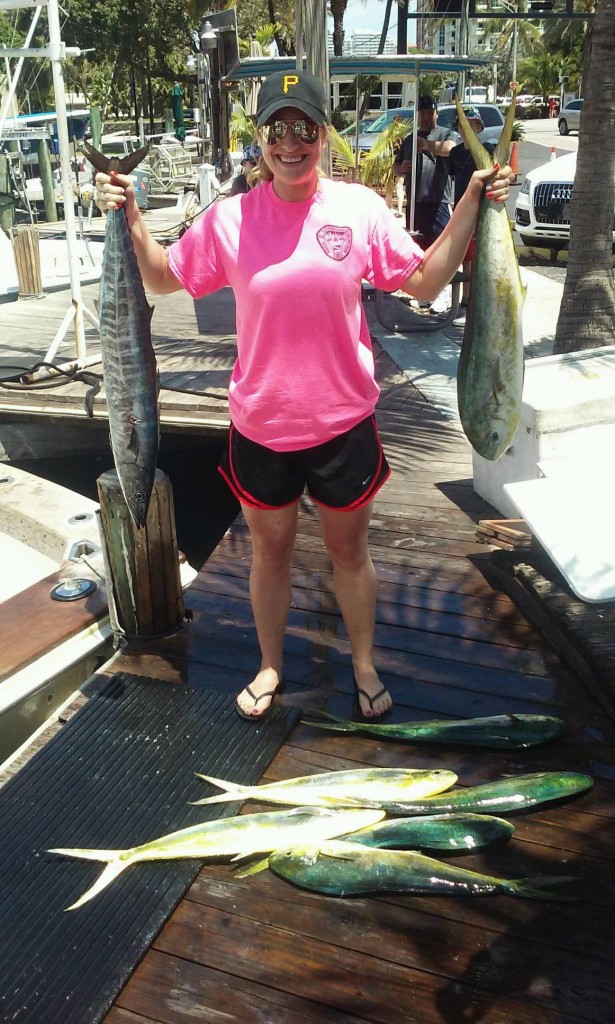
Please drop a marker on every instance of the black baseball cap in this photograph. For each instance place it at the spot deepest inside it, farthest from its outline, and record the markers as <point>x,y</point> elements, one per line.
<point>427,102</point>
<point>298,89</point>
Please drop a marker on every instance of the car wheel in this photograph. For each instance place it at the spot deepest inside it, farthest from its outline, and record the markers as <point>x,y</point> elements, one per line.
<point>563,127</point>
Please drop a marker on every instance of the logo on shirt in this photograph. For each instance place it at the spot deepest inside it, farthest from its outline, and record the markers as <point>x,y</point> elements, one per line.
<point>335,242</point>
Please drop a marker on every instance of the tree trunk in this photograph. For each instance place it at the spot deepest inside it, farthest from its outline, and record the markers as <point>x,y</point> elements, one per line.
<point>338,9</point>
<point>587,314</point>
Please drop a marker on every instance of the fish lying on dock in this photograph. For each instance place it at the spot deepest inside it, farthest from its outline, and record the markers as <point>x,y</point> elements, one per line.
<point>326,788</point>
<point>452,832</point>
<point>129,363</point>
<point>503,797</point>
<point>507,732</point>
<point>237,837</point>
<point>490,372</point>
<point>337,868</point>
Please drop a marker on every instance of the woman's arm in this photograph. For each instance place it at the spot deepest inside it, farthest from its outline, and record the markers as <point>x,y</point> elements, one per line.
<point>444,257</point>
<point>116,190</point>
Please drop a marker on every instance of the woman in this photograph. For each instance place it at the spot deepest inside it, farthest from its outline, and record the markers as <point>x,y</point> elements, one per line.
<point>302,393</point>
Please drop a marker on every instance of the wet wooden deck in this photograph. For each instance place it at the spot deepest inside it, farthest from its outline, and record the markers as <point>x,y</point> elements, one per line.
<point>194,345</point>
<point>448,645</point>
<point>258,950</point>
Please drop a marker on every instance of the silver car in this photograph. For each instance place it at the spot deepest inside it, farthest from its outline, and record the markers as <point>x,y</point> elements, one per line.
<point>492,116</point>
<point>570,117</point>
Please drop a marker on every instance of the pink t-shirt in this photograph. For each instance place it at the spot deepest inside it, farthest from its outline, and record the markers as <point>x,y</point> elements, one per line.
<point>305,370</point>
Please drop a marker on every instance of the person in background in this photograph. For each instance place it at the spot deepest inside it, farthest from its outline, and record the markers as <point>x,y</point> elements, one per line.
<point>462,168</point>
<point>246,179</point>
<point>303,392</point>
<point>434,194</point>
<point>398,181</point>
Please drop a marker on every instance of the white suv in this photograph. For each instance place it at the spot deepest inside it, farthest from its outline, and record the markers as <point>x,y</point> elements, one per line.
<point>542,210</point>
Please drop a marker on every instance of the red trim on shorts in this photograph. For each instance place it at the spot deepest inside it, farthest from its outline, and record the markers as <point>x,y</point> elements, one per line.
<point>243,496</point>
<point>373,488</point>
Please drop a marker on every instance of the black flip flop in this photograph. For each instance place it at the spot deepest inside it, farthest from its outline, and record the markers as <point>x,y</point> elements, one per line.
<point>363,693</point>
<point>268,693</point>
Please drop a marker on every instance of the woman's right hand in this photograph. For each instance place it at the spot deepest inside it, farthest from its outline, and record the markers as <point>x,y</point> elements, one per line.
<point>114,191</point>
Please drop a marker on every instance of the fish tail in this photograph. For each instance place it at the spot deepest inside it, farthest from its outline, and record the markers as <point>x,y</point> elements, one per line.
<point>233,788</point>
<point>481,156</point>
<point>112,870</point>
<point>503,147</point>
<point>539,887</point>
<point>106,164</point>
<point>332,721</point>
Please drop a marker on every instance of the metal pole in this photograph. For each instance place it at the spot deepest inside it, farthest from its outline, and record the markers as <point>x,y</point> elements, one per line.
<point>463,49</point>
<point>514,53</point>
<point>15,79</point>
<point>415,156</point>
<point>57,48</point>
<point>299,34</point>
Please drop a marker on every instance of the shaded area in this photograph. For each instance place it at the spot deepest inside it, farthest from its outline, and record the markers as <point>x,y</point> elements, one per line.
<point>120,773</point>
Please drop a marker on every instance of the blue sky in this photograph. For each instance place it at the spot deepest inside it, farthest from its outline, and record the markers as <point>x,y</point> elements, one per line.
<point>369,14</point>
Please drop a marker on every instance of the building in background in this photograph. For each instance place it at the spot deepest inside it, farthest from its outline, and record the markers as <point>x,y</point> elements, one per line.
<point>442,36</point>
<point>361,43</point>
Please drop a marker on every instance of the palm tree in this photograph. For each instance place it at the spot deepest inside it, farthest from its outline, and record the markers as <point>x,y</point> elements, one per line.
<point>516,35</point>
<point>540,74</point>
<point>587,313</point>
<point>338,10</point>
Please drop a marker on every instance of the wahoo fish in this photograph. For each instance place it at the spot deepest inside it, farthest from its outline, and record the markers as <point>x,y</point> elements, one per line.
<point>452,832</point>
<point>236,837</point>
<point>490,372</point>
<point>372,785</point>
<point>337,868</point>
<point>507,732</point>
<point>129,363</point>
<point>506,796</point>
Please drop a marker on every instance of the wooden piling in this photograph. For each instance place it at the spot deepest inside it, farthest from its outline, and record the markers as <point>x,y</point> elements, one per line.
<point>142,565</point>
<point>28,261</point>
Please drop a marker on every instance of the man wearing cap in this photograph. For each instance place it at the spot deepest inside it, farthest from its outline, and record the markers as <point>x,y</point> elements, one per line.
<point>434,195</point>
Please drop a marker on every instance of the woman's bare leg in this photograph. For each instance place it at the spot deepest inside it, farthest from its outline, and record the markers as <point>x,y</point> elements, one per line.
<point>354,581</point>
<point>273,538</point>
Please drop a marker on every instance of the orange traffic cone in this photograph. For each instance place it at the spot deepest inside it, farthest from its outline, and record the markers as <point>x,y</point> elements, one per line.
<point>514,159</point>
<point>553,153</point>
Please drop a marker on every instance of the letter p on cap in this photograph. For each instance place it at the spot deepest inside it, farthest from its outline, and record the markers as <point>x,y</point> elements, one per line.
<point>288,81</point>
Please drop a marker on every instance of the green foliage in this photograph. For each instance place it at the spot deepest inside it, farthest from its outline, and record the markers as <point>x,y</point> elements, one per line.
<point>375,167</point>
<point>242,128</point>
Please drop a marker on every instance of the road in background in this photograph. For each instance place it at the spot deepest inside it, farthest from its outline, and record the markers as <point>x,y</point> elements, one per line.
<point>540,137</point>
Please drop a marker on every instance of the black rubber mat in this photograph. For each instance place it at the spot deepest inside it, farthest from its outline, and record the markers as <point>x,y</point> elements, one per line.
<point>119,773</point>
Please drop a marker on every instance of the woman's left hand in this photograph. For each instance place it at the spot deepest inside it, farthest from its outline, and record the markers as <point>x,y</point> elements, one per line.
<point>496,180</point>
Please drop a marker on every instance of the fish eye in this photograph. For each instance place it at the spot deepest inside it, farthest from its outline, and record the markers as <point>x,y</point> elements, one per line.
<point>139,496</point>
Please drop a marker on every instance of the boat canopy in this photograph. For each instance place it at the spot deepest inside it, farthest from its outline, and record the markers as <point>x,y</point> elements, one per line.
<point>380,64</point>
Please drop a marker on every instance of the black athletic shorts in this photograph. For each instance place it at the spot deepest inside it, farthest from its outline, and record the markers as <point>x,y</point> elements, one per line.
<point>344,473</point>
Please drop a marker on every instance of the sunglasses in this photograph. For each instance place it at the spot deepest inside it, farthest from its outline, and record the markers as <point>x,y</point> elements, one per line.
<point>305,131</point>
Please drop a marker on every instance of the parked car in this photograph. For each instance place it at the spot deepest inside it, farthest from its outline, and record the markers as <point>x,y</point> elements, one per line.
<point>542,210</point>
<point>493,119</point>
<point>364,124</point>
<point>375,129</point>
<point>570,117</point>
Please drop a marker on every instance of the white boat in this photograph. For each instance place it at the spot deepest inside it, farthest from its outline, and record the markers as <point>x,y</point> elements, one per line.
<point>48,539</point>
<point>55,629</point>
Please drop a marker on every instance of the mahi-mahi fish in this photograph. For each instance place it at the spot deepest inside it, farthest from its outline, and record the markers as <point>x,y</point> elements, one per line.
<point>237,837</point>
<point>129,363</point>
<point>490,373</point>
